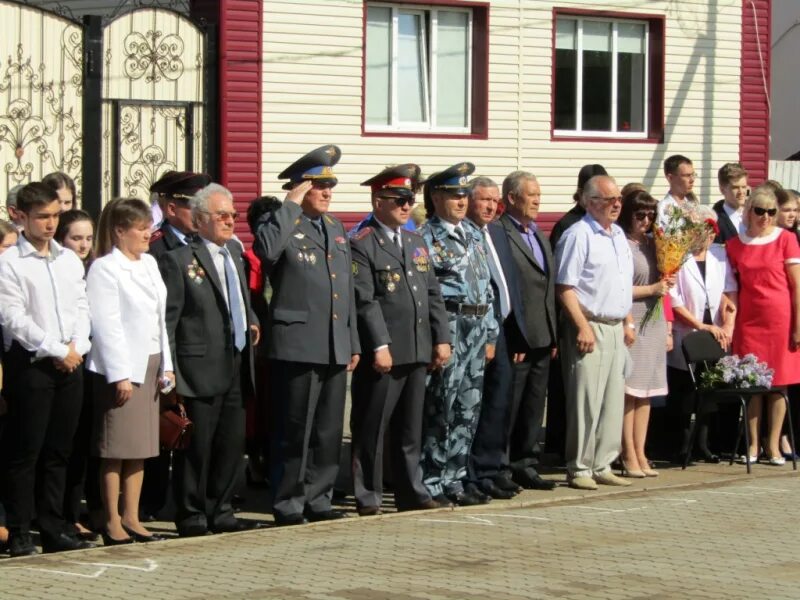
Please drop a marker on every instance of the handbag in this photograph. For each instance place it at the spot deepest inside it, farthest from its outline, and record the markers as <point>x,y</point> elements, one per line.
<point>175,428</point>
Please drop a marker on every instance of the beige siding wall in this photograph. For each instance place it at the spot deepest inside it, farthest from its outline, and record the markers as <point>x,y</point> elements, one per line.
<point>312,95</point>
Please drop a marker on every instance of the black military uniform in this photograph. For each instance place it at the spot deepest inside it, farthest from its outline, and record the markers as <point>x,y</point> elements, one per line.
<point>400,306</point>
<point>173,186</point>
<point>311,337</point>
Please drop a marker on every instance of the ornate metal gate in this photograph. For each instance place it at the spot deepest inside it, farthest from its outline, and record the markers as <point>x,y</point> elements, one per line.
<point>41,84</point>
<point>153,96</point>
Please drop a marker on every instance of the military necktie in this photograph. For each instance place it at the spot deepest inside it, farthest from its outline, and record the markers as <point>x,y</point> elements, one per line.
<point>234,301</point>
<point>460,235</point>
<point>396,240</point>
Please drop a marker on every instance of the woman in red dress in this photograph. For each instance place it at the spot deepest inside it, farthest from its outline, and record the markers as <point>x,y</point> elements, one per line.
<point>767,259</point>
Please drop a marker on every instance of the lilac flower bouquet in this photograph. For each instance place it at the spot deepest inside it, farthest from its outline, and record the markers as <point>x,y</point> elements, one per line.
<point>735,372</point>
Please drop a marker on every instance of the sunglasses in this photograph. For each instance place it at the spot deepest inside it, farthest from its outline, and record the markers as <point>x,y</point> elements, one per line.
<point>765,211</point>
<point>645,214</point>
<point>400,202</point>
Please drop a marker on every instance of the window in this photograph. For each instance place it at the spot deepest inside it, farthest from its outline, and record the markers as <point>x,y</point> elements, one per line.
<point>605,77</point>
<point>418,71</point>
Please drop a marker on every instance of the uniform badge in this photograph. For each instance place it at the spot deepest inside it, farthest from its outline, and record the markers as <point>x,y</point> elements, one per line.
<point>195,272</point>
<point>300,257</point>
<point>339,239</point>
<point>355,268</point>
<point>311,257</point>
<point>389,280</point>
<point>420,259</point>
<point>299,236</point>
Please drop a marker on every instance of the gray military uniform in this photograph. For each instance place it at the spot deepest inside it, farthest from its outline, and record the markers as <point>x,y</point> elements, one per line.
<point>311,336</point>
<point>399,304</point>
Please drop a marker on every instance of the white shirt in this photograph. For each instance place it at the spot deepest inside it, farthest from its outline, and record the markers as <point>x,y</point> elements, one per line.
<point>128,302</point>
<point>219,264</point>
<point>504,288</point>
<point>598,265</point>
<point>735,215</point>
<point>43,304</point>
<point>663,205</point>
<point>391,233</point>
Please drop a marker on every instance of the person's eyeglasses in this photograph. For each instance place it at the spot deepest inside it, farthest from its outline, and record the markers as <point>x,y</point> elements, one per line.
<point>645,214</point>
<point>400,202</point>
<point>765,211</point>
<point>607,200</point>
<point>222,215</point>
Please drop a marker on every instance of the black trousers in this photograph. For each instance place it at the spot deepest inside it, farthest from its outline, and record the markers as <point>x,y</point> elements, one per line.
<point>44,409</point>
<point>206,473</point>
<point>393,402</point>
<point>528,399</point>
<point>489,446</point>
<point>156,483</point>
<point>556,429</point>
<point>306,442</point>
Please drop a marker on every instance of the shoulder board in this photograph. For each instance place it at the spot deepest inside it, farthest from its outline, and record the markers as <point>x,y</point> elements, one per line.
<point>414,232</point>
<point>156,235</point>
<point>362,233</point>
<point>328,219</point>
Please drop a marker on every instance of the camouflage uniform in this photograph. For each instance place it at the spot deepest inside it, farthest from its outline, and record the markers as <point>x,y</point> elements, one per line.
<point>453,394</point>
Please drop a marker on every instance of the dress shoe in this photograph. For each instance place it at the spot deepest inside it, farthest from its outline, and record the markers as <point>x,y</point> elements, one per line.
<point>506,484</point>
<point>582,483</point>
<point>533,482</point>
<point>608,478</point>
<point>141,538</point>
<point>632,473</point>
<point>147,516</point>
<point>443,501</point>
<point>709,457</point>
<point>777,461</point>
<point>464,499</point>
<point>87,536</point>
<point>192,531</point>
<point>235,526</point>
<point>326,515</point>
<point>110,541</point>
<point>21,544</point>
<point>63,542</point>
<point>473,490</point>
<point>488,487</point>
<point>287,520</point>
<point>650,471</point>
<point>433,503</point>
<point>369,511</point>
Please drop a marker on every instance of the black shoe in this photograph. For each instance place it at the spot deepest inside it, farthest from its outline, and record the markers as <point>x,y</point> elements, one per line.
<point>505,483</point>
<point>709,457</point>
<point>192,531</point>
<point>533,482</point>
<point>443,501</point>
<point>236,525</point>
<point>369,511</point>
<point>283,521</point>
<point>147,516</point>
<point>63,542</point>
<point>21,544</point>
<point>489,487</point>
<point>326,515</point>
<point>110,541</point>
<point>140,538</point>
<point>464,499</point>
<point>473,490</point>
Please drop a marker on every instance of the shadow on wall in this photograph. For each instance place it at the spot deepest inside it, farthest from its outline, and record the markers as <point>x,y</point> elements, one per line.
<point>698,22</point>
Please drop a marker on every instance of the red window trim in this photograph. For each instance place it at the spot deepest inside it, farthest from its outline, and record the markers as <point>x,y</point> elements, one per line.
<point>657,66</point>
<point>480,73</point>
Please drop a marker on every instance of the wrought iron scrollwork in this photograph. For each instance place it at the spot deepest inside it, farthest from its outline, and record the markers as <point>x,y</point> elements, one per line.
<point>153,56</point>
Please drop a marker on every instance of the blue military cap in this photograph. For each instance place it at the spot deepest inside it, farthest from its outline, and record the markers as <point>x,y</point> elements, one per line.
<point>453,179</point>
<point>314,166</point>
<point>399,181</point>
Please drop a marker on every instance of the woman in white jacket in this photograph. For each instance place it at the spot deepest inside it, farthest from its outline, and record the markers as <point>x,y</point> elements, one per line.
<point>704,298</point>
<point>131,356</point>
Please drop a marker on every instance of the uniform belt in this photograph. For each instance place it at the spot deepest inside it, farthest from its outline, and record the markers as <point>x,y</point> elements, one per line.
<point>475,310</point>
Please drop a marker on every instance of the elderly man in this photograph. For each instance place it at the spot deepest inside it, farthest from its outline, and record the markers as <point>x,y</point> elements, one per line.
<point>594,285</point>
<point>312,340</point>
<point>453,396</point>
<point>403,328</point>
<point>174,190</point>
<point>533,342</point>
<point>209,320</point>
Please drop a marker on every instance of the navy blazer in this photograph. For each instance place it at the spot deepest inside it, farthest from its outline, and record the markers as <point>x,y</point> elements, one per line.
<point>503,248</point>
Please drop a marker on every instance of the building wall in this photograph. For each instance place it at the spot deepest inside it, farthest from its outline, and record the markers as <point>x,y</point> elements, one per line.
<point>312,79</point>
<point>785,96</point>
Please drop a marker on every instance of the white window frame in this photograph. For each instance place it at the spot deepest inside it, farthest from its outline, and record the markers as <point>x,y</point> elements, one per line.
<point>613,134</point>
<point>429,69</point>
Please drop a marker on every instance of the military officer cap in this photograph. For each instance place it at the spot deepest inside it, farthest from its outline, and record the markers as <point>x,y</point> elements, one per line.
<point>453,179</point>
<point>180,185</point>
<point>400,181</point>
<point>314,166</point>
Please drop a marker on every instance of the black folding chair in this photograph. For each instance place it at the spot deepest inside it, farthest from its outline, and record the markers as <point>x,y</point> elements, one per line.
<point>701,348</point>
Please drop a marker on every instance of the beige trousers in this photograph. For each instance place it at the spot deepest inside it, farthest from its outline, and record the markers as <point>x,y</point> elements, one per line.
<point>595,398</point>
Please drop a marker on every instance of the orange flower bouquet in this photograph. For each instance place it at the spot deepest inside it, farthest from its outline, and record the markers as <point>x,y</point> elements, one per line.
<point>674,241</point>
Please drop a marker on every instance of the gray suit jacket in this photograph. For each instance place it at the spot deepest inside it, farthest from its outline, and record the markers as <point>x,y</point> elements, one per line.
<point>312,314</point>
<point>397,296</point>
<point>198,321</point>
<point>536,285</point>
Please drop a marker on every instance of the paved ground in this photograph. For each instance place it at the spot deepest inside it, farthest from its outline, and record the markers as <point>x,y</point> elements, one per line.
<point>710,532</point>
